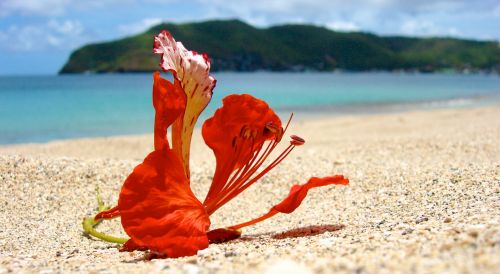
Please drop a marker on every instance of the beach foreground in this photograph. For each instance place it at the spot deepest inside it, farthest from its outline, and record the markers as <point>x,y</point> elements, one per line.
<point>423,198</point>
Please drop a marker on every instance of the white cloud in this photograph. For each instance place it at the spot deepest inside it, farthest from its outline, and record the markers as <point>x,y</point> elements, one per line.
<point>343,26</point>
<point>454,32</point>
<point>60,7</point>
<point>68,27</point>
<point>33,7</point>
<point>139,26</point>
<point>413,26</point>
<point>465,18</point>
<point>66,34</point>
<point>496,10</point>
<point>421,18</point>
<point>422,27</point>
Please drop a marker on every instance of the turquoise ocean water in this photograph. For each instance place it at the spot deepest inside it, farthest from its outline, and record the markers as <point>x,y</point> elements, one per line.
<point>43,108</point>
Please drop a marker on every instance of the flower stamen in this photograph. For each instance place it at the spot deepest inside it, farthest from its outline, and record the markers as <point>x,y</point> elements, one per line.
<point>296,140</point>
<point>242,178</point>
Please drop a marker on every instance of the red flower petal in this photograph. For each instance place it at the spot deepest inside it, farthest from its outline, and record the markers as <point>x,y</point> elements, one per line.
<point>235,133</point>
<point>240,114</point>
<point>169,102</point>
<point>299,192</point>
<point>295,197</point>
<point>159,211</point>
<point>108,214</point>
<point>191,69</point>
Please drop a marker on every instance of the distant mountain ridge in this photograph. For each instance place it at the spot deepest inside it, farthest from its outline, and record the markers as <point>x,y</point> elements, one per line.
<point>236,46</point>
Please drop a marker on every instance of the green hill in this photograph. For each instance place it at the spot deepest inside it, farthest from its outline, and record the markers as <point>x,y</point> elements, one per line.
<point>236,46</point>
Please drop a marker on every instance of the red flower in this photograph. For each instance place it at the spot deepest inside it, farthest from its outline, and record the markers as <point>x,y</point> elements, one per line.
<point>158,210</point>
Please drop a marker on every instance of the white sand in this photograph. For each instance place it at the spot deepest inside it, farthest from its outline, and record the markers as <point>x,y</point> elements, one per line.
<point>424,198</point>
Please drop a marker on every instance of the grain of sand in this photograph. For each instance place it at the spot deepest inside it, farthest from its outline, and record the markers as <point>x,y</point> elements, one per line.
<point>424,198</point>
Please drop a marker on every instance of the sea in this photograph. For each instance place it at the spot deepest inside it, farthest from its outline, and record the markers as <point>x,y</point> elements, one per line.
<point>44,108</point>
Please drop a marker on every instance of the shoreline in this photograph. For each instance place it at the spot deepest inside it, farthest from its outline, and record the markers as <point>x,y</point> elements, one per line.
<point>491,99</point>
<point>423,198</point>
<point>306,113</point>
<point>113,105</point>
<point>339,71</point>
<point>299,117</point>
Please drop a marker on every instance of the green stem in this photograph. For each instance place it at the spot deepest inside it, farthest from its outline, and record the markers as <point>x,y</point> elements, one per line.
<point>89,227</point>
<point>100,203</point>
<point>89,224</point>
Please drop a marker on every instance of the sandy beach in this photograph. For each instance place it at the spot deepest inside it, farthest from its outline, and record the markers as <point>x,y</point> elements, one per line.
<point>424,197</point>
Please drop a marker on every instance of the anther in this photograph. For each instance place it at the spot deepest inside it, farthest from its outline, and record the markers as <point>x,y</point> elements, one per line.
<point>276,130</point>
<point>248,133</point>
<point>296,140</point>
<point>272,127</point>
<point>233,143</point>
<point>245,132</point>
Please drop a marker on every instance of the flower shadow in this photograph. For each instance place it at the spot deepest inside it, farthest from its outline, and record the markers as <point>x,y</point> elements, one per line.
<point>307,231</point>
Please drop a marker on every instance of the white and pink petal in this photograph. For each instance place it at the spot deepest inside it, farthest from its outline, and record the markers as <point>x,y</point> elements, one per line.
<point>192,70</point>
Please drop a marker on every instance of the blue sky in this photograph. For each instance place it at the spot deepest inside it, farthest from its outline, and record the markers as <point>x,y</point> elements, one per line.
<point>37,36</point>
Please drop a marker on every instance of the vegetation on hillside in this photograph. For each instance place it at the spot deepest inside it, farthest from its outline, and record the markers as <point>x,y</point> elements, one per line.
<point>236,46</point>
